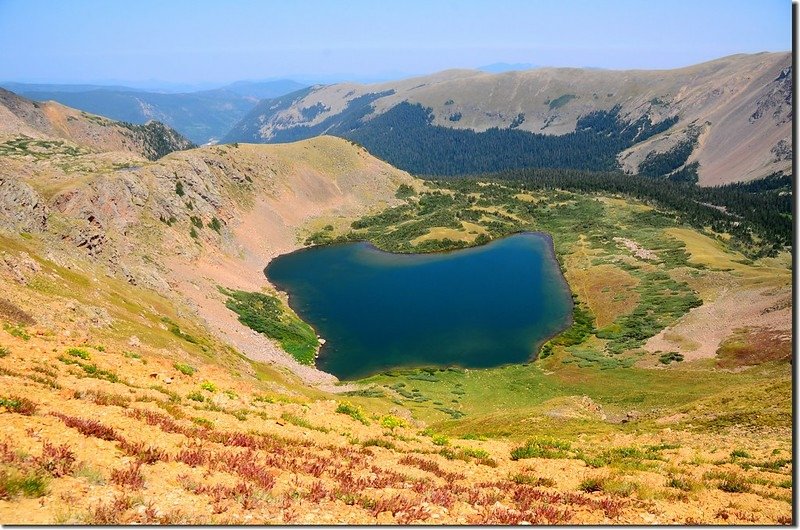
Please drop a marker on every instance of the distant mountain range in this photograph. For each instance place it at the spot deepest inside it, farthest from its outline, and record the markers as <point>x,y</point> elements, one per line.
<point>497,68</point>
<point>721,121</point>
<point>203,116</point>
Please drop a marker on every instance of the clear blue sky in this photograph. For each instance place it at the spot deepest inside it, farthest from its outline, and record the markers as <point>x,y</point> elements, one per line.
<point>197,41</point>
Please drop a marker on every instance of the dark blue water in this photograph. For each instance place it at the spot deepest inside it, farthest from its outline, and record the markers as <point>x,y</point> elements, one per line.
<point>473,308</point>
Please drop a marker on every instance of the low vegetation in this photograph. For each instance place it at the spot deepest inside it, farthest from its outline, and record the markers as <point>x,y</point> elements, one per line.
<point>268,315</point>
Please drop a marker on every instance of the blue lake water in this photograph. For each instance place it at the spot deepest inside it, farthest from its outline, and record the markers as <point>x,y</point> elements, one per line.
<point>473,308</point>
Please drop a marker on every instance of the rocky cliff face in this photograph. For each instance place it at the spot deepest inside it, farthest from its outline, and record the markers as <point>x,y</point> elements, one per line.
<point>743,102</point>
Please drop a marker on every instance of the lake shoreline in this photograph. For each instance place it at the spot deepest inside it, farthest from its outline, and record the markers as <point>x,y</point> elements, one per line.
<point>546,239</point>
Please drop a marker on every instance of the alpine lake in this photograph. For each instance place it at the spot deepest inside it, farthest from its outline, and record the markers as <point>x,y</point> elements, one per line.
<point>472,308</point>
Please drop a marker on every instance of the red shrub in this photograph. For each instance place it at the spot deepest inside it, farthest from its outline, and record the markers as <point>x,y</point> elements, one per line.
<point>499,515</point>
<point>161,421</point>
<point>7,454</point>
<point>577,499</point>
<point>145,455</point>
<point>548,514</point>
<point>477,496</point>
<point>526,496</point>
<point>413,514</point>
<point>348,483</point>
<point>318,492</point>
<point>431,467</point>
<point>194,456</point>
<point>421,486</point>
<point>58,461</point>
<point>20,405</point>
<point>385,478</point>
<point>110,513</point>
<point>314,468</point>
<point>244,464</point>
<point>611,507</point>
<point>87,427</point>
<point>442,497</point>
<point>394,504</point>
<point>132,476</point>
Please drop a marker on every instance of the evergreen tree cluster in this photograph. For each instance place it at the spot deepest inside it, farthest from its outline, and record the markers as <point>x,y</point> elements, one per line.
<point>758,214</point>
<point>405,137</point>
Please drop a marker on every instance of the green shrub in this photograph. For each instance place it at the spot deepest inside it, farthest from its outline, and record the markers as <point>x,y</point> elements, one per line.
<point>196,396</point>
<point>209,386</point>
<point>734,483</point>
<point>471,436</point>
<point>17,331</point>
<point>593,484</point>
<point>267,315</point>
<point>77,352</point>
<point>19,405</point>
<point>440,439</point>
<point>480,454</point>
<point>302,422</point>
<point>240,414</point>
<point>215,225</point>
<point>184,368</point>
<point>729,481</point>
<point>539,482</point>
<point>179,189</point>
<point>202,422</point>
<point>30,484</point>
<point>91,370</point>
<point>669,357</point>
<point>740,453</point>
<point>392,422</point>
<point>682,483</point>
<point>377,442</point>
<point>404,191</point>
<point>4,352</point>
<point>541,448</point>
<point>354,411</point>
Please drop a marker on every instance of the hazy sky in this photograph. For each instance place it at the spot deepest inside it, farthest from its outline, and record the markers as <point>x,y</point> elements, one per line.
<point>196,41</point>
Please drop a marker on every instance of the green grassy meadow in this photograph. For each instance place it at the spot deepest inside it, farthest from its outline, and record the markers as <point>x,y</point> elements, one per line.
<point>622,299</point>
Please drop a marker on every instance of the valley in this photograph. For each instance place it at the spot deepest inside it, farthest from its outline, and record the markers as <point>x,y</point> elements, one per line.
<point>152,373</point>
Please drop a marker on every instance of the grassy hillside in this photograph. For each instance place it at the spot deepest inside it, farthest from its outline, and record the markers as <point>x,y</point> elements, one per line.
<point>120,408</point>
<point>132,394</point>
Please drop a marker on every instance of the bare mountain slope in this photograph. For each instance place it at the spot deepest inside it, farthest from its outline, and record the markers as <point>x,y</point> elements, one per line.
<point>736,109</point>
<point>22,117</point>
<point>183,224</point>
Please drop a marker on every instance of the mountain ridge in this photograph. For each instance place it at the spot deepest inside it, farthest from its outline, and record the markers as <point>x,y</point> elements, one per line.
<point>203,116</point>
<point>22,117</point>
<point>737,144</point>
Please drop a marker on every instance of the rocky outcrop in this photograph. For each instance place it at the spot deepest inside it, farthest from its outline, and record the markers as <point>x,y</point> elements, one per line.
<point>21,208</point>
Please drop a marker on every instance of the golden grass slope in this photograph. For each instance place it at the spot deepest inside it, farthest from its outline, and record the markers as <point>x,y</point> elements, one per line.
<point>103,429</point>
